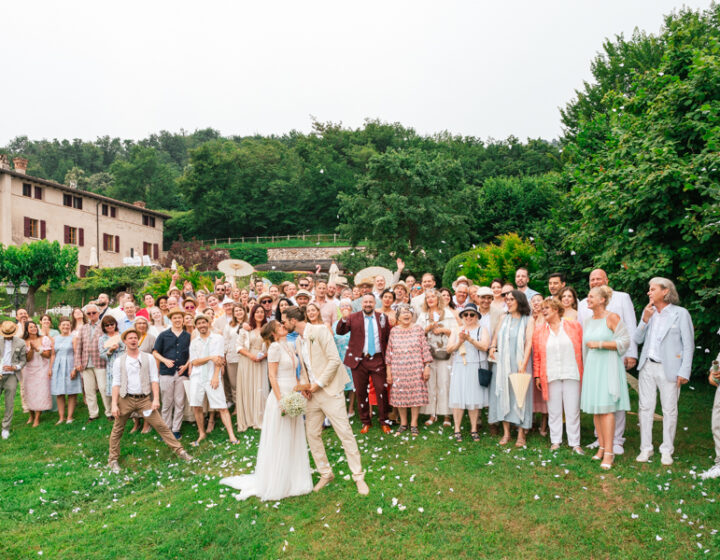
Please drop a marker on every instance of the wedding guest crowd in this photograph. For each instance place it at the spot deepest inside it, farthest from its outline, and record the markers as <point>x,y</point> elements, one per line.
<point>437,352</point>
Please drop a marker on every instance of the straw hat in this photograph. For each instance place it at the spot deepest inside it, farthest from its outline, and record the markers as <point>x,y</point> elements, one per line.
<point>8,328</point>
<point>461,280</point>
<point>175,311</point>
<point>127,332</point>
<point>484,291</point>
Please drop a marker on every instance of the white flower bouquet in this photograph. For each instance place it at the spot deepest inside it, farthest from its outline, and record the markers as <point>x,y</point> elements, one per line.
<point>293,404</point>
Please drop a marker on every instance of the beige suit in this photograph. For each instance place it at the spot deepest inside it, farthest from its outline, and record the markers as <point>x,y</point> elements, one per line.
<point>328,372</point>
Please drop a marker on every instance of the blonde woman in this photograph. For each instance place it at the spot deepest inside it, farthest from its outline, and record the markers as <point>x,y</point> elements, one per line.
<point>438,323</point>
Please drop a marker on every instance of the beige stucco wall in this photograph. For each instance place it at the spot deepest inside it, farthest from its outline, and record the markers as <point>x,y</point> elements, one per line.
<point>127,224</point>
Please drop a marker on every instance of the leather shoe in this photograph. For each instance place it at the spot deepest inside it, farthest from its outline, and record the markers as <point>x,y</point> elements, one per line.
<point>362,487</point>
<point>386,429</point>
<point>323,482</point>
<point>365,429</point>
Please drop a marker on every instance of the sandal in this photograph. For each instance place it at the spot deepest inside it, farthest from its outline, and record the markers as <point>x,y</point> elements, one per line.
<point>604,465</point>
<point>599,455</point>
<point>430,421</point>
<point>234,442</point>
<point>475,436</point>
<point>414,431</point>
<point>504,440</point>
<point>521,443</point>
<point>401,429</point>
<point>446,423</point>
<point>554,447</point>
<point>458,437</point>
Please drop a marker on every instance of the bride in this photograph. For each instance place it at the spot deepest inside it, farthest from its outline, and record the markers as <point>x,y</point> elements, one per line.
<point>282,468</point>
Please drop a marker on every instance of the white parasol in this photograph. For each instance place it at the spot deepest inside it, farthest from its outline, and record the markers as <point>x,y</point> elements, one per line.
<point>235,268</point>
<point>93,262</point>
<point>372,272</point>
<point>519,383</point>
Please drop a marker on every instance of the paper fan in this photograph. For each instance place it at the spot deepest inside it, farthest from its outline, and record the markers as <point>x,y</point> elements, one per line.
<point>371,272</point>
<point>519,383</point>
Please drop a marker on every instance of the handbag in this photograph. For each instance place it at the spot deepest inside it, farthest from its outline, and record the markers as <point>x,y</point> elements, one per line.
<point>438,343</point>
<point>484,374</point>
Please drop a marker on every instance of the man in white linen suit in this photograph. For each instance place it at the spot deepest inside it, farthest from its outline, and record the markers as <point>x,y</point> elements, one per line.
<point>621,304</point>
<point>322,379</point>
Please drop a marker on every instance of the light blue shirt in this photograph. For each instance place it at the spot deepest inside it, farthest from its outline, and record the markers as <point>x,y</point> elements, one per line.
<point>376,330</point>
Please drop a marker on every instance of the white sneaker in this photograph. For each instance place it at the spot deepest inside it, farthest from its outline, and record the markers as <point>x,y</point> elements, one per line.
<point>713,472</point>
<point>594,445</point>
<point>644,456</point>
<point>5,434</point>
<point>618,449</point>
<point>666,459</point>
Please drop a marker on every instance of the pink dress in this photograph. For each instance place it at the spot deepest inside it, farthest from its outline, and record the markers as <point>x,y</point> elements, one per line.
<point>407,353</point>
<point>36,380</point>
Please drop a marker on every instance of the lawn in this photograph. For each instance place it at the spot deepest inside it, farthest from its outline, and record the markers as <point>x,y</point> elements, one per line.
<point>429,498</point>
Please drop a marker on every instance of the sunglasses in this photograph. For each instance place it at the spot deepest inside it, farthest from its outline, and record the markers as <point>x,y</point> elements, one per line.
<point>92,313</point>
<point>190,306</point>
<point>266,301</point>
<point>304,285</point>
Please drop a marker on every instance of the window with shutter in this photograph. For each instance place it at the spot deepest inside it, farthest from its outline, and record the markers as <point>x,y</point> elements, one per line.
<point>117,243</point>
<point>104,209</point>
<point>26,226</point>
<point>81,237</point>
<point>38,193</point>
<point>113,210</point>
<point>43,229</point>
<point>156,251</point>
<point>83,270</point>
<point>34,229</point>
<point>66,234</point>
<point>27,189</point>
<point>67,200</point>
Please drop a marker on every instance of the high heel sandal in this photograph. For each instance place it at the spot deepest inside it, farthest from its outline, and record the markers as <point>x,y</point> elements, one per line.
<point>607,466</point>
<point>599,455</point>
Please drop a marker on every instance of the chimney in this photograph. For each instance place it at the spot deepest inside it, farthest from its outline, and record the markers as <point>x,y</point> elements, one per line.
<point>4,162</point>
<point>20,164</point>
<point>139,204</point>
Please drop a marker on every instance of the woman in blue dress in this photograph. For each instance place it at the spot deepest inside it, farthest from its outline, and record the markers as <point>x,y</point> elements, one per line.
<point>511,349</point>
<point>65,380</point>
<point>604,384</point>
<point>342,341</point>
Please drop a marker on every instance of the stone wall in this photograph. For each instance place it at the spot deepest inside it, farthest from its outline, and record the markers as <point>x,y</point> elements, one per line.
<point>303,253</point>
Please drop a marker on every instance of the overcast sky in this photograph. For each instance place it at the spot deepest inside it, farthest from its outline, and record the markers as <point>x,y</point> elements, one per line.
<point>483,68</point>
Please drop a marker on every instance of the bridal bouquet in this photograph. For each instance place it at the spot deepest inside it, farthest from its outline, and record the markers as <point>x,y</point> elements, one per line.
<point>293,404</point>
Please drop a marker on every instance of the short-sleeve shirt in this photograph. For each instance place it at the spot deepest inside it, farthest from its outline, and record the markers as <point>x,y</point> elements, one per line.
<point>175,348</point>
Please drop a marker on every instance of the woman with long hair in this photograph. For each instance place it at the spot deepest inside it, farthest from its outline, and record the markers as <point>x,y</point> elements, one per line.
<point>511,349</point>
<point>252,378</point>
<point>36,373</point>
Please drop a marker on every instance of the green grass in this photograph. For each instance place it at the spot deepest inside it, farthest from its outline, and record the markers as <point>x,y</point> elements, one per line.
<point>477,499</point>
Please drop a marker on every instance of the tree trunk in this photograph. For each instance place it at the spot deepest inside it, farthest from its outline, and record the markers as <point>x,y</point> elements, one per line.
<point>30,302</point>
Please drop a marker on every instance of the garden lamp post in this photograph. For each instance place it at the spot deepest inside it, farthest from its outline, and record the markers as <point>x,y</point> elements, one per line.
<point>16,292</point>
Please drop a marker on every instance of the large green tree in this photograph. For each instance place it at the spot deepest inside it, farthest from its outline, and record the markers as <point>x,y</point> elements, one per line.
<point>38,263</point>
<point>411,204</point>
<point>143,176</point>
<point>644,175</point>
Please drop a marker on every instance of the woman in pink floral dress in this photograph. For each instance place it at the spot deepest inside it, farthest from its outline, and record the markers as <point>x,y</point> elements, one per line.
<point>407,361</point>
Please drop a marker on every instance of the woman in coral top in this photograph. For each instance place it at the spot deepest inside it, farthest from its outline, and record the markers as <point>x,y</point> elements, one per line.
<point>558,368</point>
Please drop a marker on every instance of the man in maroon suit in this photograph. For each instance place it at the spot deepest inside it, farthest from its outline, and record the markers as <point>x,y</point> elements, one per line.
<point>365,356</point>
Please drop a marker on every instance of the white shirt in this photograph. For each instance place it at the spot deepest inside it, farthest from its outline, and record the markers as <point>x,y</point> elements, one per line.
<point>132,366</point>
<point>7,355</point>
<point>212,345</point>
<point>367,320</point>
<point>654,336</point>
<point>561,363</point>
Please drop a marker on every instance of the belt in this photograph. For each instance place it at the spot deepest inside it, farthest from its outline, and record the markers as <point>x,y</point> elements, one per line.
<point>137,396</point>
<point>369,357</point>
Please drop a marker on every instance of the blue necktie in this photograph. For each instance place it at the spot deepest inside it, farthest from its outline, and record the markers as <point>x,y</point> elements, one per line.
<point>371,336</point>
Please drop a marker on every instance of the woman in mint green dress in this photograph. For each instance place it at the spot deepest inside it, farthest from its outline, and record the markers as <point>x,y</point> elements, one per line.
<point>604,385</point>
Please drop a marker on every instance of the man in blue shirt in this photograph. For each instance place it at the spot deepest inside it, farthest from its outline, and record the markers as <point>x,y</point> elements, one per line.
<point>172,350</point>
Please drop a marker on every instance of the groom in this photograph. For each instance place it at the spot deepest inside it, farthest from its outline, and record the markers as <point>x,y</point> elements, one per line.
<point>323,378</point>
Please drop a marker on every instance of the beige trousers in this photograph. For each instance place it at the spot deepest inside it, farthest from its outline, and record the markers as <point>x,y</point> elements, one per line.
<point>230,382</point>
<point>126,407</point>
<point>438,389</point>
<point>321,405</point>
<point>172,399</point>
<point>94,380</point>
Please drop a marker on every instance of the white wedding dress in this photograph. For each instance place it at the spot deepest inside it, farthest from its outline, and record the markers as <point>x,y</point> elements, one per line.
<point>282,468</point>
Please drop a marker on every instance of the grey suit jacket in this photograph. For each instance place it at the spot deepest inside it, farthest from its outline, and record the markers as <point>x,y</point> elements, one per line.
<point>19,353</point>
<point>678,342</point>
